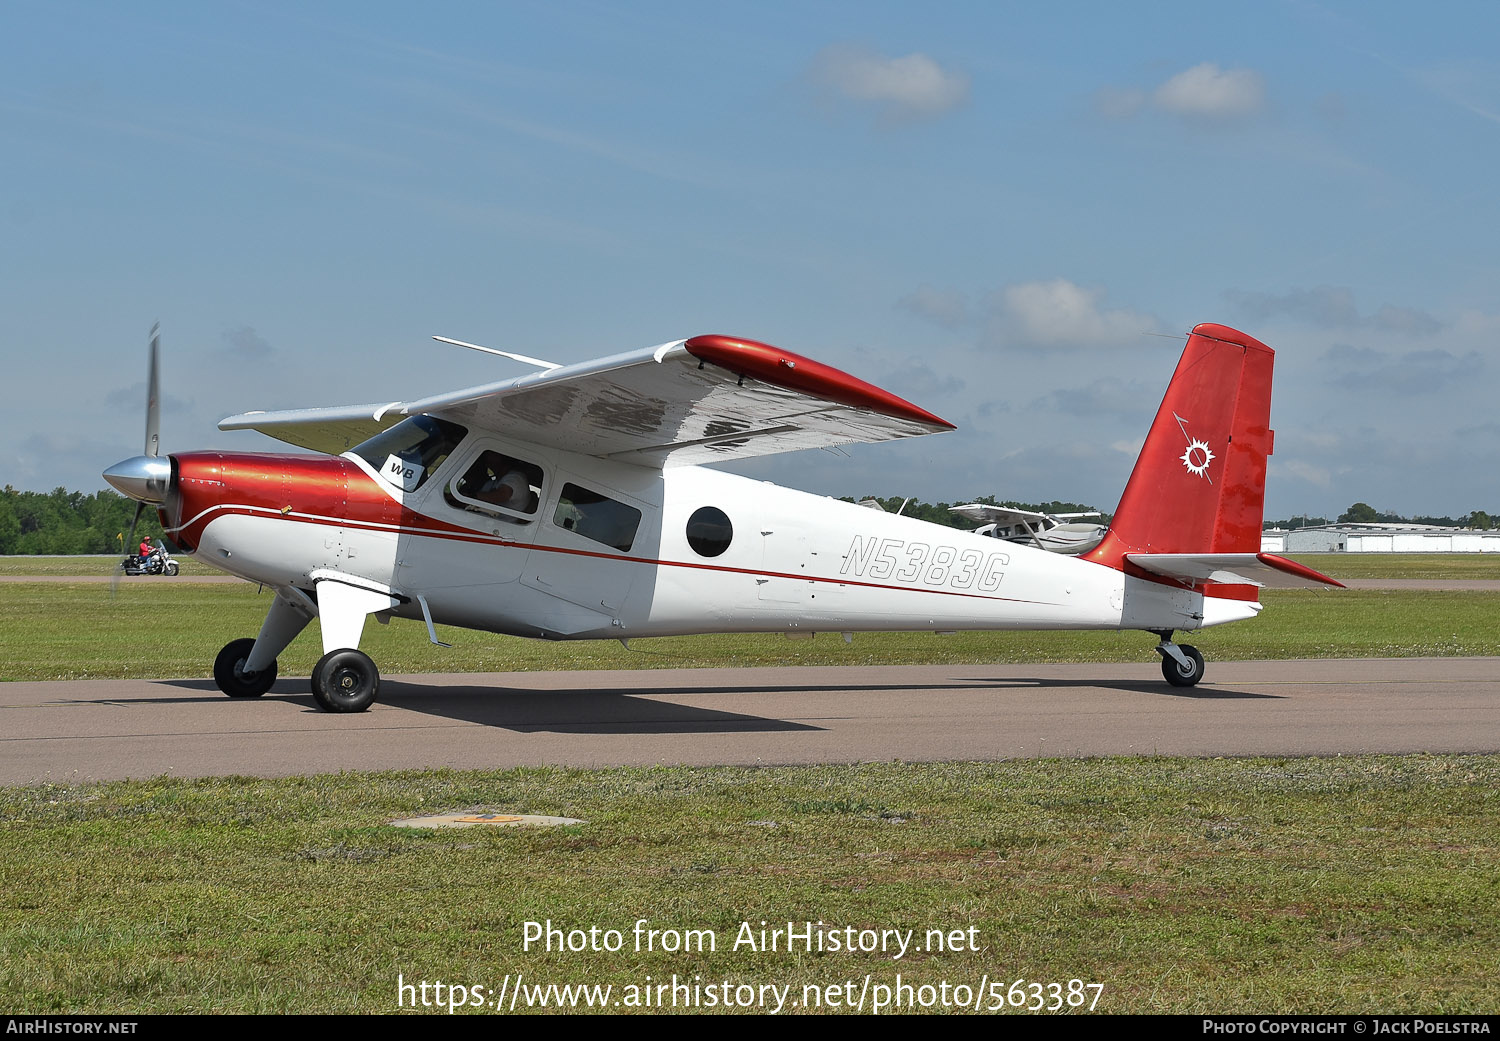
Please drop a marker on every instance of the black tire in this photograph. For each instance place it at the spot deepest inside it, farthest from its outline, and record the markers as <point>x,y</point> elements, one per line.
<point>1176,675</point>
<point>172,568</point>
<point>345,680</point>
<point>229,671</point>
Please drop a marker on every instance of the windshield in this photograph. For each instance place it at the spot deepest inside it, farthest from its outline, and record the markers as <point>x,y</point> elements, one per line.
<point>408,453</point>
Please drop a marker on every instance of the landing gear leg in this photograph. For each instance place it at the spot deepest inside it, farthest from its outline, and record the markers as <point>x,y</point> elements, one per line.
<point>345,678</point>
<point>1181,664</point>
<point>247,668</point>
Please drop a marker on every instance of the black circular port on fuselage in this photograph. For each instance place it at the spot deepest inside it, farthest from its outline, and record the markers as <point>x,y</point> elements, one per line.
<point>709,531</point>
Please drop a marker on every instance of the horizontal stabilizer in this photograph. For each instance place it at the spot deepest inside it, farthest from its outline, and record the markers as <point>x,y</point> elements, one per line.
<point>1256,569</point>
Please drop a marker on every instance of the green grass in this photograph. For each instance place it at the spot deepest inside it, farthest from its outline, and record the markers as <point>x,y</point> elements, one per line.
<point>1358,884</point>
<point>78,566</point>
<point>1460,566</point>
<point>68,631</point>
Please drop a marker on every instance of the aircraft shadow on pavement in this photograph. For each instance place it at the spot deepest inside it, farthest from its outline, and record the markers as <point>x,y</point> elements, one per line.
<point>565,711</point>
<point>1209,692</point>
<point>580,710</point>
<point>592,710</point>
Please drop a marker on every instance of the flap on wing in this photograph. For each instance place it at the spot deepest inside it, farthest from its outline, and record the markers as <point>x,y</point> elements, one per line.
<point>1256,569</point>
<point>701,400</point>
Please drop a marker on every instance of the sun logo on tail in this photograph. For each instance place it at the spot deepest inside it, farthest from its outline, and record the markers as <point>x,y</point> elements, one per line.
<point>1197,457</point>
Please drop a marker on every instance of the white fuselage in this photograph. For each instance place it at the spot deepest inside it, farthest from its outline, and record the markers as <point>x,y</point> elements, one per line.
<point>795,562</point>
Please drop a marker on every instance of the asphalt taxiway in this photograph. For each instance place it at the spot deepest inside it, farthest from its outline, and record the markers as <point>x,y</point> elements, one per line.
<point>109,729</point>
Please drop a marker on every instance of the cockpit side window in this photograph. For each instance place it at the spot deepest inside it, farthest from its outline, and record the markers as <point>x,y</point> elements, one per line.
<point>498,483</point>
<point>408,453</point>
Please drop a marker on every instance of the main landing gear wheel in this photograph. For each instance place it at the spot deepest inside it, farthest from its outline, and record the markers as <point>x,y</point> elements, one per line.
<point>230,674</point>
<point>1177,675</point>
<point>345,680</point>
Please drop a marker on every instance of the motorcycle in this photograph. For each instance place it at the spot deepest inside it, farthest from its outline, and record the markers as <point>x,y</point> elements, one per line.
<point>157,562</point>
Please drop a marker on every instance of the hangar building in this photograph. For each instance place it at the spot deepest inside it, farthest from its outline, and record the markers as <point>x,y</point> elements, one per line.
<point>1379,538</point>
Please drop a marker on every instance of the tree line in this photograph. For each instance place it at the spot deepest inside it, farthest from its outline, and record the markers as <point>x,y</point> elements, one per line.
<point>63,522</point>
<point>1364,513</point>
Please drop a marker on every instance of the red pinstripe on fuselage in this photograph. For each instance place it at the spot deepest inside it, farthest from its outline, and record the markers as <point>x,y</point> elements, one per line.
<point>324,491</point>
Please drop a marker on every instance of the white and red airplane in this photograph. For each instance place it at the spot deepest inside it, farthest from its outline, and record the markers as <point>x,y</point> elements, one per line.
<point>569,504</point>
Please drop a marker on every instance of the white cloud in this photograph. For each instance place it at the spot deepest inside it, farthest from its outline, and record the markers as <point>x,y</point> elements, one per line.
<point>1062,314</point>
<point>1205,93</point>
<point>1209,92</point>
<point>904,89</point>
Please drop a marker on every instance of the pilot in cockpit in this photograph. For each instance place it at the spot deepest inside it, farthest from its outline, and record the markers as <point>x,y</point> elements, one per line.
<point>513,491</point>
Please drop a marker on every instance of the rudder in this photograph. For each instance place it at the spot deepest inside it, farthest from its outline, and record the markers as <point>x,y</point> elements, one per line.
<point>1199,483</point>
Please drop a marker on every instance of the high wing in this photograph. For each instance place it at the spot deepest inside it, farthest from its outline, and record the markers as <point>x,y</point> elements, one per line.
<point>1007,516</point>
<point>1002,515</point>
<point>704,399</point>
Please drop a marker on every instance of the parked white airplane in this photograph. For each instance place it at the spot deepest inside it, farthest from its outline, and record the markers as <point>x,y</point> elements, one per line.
<point>567,504</point>
<point>1054,532</point>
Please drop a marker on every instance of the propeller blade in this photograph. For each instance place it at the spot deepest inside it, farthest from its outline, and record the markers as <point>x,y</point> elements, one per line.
<point>147,477</point>
<point>153,396</point>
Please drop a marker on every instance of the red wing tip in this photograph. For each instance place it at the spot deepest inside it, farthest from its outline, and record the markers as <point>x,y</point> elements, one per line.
<point>769,364</point>
<point>1228,335</point>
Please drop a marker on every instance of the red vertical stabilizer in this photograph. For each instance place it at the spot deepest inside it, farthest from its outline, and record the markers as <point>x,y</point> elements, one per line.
<point>1199,484</point>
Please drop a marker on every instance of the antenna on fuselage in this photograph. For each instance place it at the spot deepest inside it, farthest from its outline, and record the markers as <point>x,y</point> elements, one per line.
<point>504,354</point>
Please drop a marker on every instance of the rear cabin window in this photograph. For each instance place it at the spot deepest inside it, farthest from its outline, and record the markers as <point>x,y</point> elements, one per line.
<point>596,516</point>
<point>499,484</point>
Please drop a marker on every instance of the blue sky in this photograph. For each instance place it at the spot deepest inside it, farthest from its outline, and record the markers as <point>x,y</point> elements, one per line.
<point>998,211</point>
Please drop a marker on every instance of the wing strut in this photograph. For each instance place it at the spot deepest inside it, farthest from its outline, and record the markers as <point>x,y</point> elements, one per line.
<point>504,354</point>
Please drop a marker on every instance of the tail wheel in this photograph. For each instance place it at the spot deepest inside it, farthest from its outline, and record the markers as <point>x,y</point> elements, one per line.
<point>230,674</point>
<point>345,680</point>
<point>1178,675</point>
